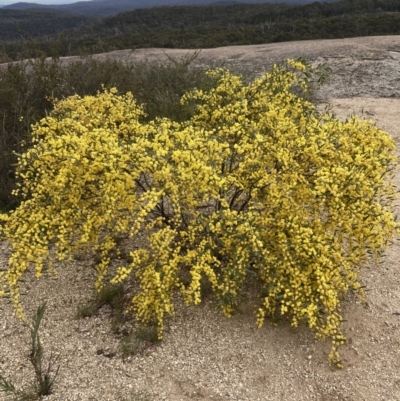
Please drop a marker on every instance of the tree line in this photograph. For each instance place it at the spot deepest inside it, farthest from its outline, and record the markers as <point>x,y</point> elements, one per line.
<point>212,26</point>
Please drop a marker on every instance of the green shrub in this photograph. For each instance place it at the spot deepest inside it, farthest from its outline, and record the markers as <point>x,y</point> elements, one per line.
<point>257,181</point>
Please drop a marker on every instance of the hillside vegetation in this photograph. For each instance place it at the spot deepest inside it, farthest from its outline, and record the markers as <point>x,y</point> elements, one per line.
<point>15,24</point>
<point>212,26</point>
<point>104,8</point>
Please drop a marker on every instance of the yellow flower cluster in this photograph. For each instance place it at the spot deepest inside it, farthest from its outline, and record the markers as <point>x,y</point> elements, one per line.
<point>256,182</point>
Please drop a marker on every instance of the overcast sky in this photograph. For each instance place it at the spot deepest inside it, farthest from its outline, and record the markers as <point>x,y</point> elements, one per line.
<point>6,2</point>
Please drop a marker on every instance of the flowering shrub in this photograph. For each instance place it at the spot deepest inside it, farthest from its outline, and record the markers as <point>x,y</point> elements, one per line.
<point>257,183</point>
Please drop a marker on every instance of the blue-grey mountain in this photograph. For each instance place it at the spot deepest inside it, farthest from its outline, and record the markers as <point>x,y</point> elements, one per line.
<point>102,8</point>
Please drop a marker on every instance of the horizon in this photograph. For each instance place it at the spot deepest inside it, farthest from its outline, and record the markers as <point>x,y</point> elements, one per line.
<point>62,2</point>
<point>44,2</point>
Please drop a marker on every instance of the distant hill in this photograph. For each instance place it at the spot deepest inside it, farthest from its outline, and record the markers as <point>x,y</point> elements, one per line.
<point>24,6</point>
<point>189,27</point>
<point>37,22</point>
<point>224,3</point>
<point>103,8</point>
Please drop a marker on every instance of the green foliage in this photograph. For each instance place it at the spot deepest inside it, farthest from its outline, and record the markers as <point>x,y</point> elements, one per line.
<point>139,339</point>
<point>44,378</point>
<point>133,340</point>
<point>36,23</point>
<point>148,333</point>
<point>215,26</point>
<point>9,388</point>
<point>87,310</point>
<point>28,89</point>
<point>112,295</point>
<point>255,187</point>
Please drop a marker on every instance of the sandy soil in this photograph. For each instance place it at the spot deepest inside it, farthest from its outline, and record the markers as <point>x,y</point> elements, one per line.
<point>205,356</point>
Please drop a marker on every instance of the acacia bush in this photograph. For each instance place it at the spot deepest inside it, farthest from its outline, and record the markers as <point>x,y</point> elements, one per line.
<point>28,89</point>
<point>257,185</point>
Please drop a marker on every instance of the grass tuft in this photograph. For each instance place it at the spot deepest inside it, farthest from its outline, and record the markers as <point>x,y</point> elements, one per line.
<point>44,376</point>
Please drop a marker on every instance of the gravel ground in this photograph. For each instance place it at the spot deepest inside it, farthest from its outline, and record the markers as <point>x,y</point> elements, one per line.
<point>203,355</point>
